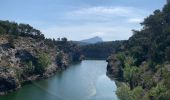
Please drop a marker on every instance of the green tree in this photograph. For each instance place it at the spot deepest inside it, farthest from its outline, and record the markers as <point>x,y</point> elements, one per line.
<point>157,91</point>
<point>123,92</point>
<point>130,72</point>
<point>137,93</point>
<point>43,61</point>
<point>64,39</point>
<point>121,57</point>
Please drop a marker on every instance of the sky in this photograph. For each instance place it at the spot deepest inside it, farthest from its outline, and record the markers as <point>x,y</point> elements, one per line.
<point>81,19</point>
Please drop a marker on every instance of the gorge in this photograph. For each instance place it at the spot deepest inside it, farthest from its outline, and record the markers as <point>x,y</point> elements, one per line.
<point>81,81</point>
<point>49,69</point>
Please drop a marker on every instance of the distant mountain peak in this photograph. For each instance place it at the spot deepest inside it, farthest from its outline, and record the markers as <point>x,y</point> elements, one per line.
<point>93,40</point>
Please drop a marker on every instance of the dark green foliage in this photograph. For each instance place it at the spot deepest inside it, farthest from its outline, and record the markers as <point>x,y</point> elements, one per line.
<point>124,93</point>
<point>153,40</point>
<point>64,39</point>
<point>146,58</point>
<point>101,50</point>
<point>121,56</point>
<point>15,30</point>
<point>157,92</point>
<point>2,31</point>
<point>43,62</point>
<point>131,75</point>
<point>70,48</point>
<point>50,42</point>
<point>25,30</point>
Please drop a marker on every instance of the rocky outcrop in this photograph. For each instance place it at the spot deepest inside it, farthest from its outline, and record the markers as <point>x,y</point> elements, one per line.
<point>8,80</point>
<point>18,59</point>
<point>114,68</point>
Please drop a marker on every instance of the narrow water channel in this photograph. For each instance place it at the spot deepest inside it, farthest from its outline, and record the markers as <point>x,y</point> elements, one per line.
<point>83,81</point>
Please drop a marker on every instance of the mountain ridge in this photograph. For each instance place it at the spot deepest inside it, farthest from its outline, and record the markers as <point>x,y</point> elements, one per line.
<point>92,40</point>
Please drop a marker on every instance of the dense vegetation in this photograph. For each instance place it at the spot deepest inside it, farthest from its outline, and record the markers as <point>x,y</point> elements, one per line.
<point>15,29</point>
<point>101,50</point>
<point>144,65</point>
<point>26,55</point>
<point>43,62</point>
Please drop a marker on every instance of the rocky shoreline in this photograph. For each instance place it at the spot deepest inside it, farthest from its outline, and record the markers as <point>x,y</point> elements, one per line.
<point>19,62</point>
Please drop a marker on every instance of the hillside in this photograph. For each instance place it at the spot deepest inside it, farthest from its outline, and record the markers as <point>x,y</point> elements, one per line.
<point>25,55</point>
<point>101,50</point>
<point>142,69</point>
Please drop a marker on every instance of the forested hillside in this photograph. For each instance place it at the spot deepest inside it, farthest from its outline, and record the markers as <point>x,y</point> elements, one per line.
<point>26,55</point>
<point>143,68</point>
<point>101,50</point>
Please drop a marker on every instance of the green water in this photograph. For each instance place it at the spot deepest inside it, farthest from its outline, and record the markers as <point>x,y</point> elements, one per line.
<point>83,81</point>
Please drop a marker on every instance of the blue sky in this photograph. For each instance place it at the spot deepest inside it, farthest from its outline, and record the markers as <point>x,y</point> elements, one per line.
<point>81,19</point>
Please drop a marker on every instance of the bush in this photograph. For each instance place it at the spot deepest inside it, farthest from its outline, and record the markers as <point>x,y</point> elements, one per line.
<point>43,62</point>
<point>121,56</point>
<point>137,93</point>
<point>123,92</point>
<point>130,72</point>
<point>157,91</point>
<point>29,68</point>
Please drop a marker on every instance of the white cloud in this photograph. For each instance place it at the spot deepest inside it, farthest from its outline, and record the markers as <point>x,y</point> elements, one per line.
<point>120,11</point>
<point>110,23</point>
<point>107,15</point>
<point>108,11</point>
<point>135,20</point>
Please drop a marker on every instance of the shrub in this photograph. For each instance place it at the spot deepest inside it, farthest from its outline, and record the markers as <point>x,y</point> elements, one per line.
<point>157,91</point>
<point>137,93</point>
<point>123,92</point>
<point>29,68</point>
<point>43,62</point>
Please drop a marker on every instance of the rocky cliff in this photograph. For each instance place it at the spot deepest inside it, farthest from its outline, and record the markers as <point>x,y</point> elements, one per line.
<point>20,61</point>
<point>26,55</point>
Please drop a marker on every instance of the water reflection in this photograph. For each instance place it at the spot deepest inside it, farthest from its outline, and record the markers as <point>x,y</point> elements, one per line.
<point>82,81</point>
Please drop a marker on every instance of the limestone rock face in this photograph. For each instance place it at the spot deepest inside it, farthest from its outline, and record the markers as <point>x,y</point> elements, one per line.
<point>14,59</point>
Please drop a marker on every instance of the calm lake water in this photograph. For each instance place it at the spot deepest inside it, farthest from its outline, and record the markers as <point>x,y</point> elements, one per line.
<point>83,81</point>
